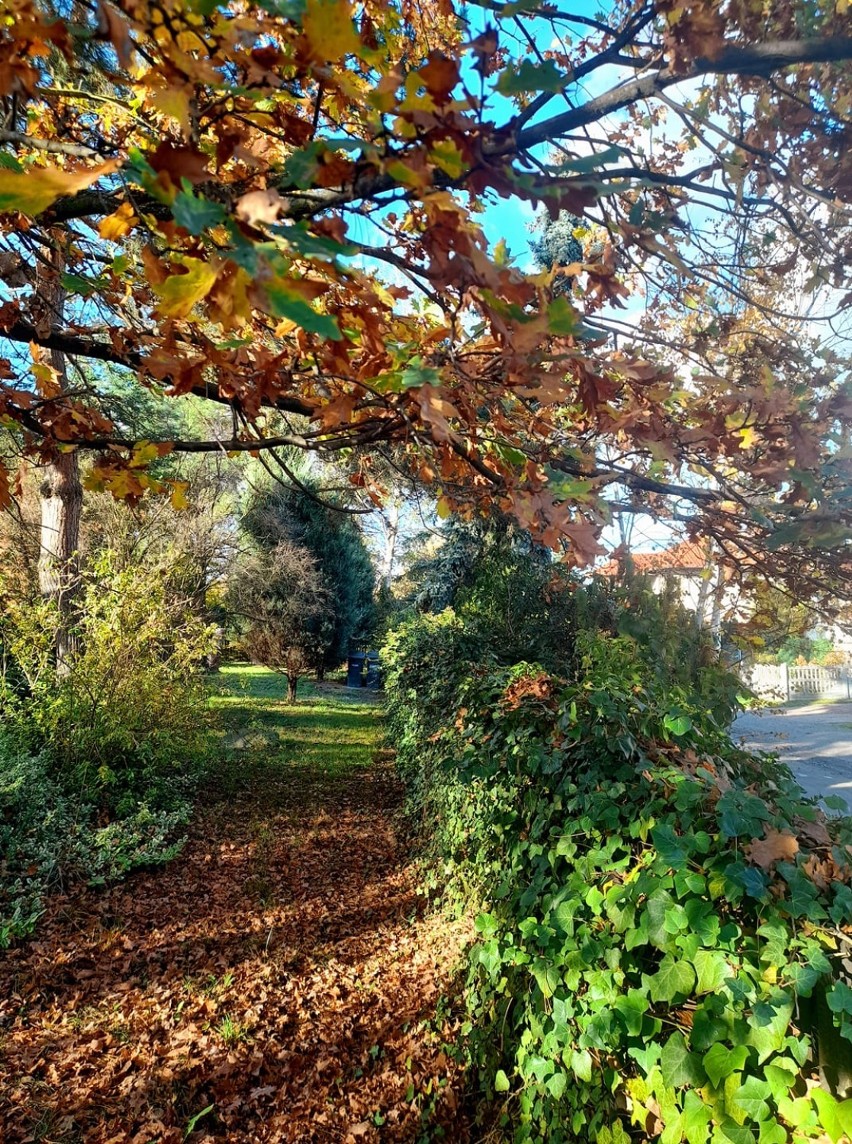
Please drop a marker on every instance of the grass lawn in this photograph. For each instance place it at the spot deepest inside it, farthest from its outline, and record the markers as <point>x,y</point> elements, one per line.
<point>328,732</point>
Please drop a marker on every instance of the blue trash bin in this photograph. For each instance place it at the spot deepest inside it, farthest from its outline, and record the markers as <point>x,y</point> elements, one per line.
<point>355,669</point>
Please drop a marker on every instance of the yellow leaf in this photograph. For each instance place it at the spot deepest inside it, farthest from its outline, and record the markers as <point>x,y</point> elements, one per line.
<point>178,497</point>
<point>408,176</point>
<point>447,156</point>
<point>180,292</point>
<point>329,30</point>
<point>143,453</point>
<point>34,190</point>
<point>116,225</point>
<point>46,379</point>
<point>748,437</point>
<point>173,102</point>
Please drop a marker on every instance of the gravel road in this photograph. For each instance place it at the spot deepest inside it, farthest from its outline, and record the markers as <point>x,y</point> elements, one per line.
<point>815,742</point>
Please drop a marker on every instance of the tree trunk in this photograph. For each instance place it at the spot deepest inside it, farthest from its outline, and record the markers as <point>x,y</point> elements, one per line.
<point>60,491</point>
<point>292,681</point>
<point>61,505</point>
<point>320,671</point>
<point>391,525</point>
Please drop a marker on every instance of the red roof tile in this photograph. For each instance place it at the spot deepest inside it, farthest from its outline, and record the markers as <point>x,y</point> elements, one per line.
<point>688,556</point>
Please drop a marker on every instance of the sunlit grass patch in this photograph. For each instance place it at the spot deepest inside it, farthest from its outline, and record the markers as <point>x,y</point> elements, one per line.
<point>330,730</point>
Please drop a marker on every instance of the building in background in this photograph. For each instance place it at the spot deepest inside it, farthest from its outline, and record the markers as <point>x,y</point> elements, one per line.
<point>702,585</point>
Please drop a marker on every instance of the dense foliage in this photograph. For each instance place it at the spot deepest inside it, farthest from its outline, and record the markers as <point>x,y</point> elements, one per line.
<point>662,918</point>
<point>316,521</point>
<point>515,603</point>
<point>123,714</point>
<point>280,609</point>
<point>100,753</point>
<point>51,835</point>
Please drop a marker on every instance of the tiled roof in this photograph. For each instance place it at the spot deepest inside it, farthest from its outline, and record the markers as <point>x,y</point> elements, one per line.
<point>688,556</point>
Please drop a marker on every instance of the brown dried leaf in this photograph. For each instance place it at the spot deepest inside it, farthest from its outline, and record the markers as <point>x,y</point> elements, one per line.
<point>775,846</point>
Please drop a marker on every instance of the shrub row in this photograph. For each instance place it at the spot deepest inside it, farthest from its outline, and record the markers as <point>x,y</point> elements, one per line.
<point>662,919</point>
<point>98,759</point>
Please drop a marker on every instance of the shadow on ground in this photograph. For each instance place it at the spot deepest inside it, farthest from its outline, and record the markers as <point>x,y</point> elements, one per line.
<point>278,981</point>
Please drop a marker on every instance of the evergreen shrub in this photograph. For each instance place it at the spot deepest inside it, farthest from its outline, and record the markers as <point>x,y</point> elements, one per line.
<point>662,918</point>
<point>100,756</point>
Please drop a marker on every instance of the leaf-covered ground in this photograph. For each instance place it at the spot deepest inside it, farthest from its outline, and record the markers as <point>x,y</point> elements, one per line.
<point>277,982</point>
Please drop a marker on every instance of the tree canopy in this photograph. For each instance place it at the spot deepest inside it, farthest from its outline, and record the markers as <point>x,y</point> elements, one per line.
<point>299,516</point>
<point>278,207</point>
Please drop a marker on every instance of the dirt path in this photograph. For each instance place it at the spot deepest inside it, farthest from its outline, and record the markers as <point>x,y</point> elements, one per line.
<point>276,982</point>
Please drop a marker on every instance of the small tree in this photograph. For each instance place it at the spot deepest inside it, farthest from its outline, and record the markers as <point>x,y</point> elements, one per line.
<point>310,518</point>
<point>282,608</point>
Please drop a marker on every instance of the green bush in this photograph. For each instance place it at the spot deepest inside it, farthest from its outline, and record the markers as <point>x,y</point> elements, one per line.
<point>97,762</point>
<point>38,826</point>
<point>127,722</point>
<point>50,837</point>
<point>662,916</point>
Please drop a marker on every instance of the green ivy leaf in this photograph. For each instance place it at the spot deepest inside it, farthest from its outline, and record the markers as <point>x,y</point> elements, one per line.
<point>487,925</point>
<point>712,970</point>
<point>670,845</point>
<point>752,1097</point>
<point>736,1133</point>
<point>771,1132</point>
<point>632,1008</point>
<point>769,1024</point>
<point>696,1118</point>
<point>674,979</point>
<point>741,813</point>
<point>547,977</point>
<point>678,1065</point>
<point>799,1112</point>
<point>720,1062</point>
<point>581,1064</point>
<point>557,1084</point>
<point>677,724</point>
<point>780,1079</point>
<point>501,1082</point>
<point>839,998</point>
<point>835,1116</point>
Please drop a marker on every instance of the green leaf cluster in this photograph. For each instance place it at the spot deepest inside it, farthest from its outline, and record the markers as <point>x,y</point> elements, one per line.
<point>634,973</point>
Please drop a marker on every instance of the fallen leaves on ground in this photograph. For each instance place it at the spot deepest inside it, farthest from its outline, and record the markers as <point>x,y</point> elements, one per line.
<point>277,982</point>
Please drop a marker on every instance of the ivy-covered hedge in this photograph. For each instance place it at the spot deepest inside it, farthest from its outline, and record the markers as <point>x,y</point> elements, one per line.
<point>663,919</point>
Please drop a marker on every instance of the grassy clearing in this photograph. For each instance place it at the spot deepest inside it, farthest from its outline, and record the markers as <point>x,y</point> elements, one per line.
<point>329,732</point>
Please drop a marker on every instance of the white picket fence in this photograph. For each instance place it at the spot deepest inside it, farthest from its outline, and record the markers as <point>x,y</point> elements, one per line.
<point>778,681</point>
